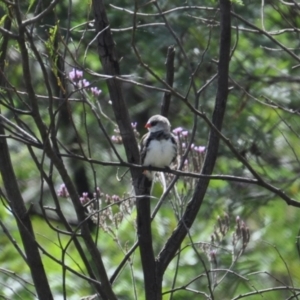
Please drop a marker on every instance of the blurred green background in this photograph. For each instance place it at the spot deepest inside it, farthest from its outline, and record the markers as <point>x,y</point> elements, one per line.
<point>266,133</point>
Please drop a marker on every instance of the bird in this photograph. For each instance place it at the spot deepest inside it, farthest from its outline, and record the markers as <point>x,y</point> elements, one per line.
<point>158,147</point>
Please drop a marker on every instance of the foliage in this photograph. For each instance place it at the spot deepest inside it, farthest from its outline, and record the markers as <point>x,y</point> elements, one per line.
<point>58,119</point>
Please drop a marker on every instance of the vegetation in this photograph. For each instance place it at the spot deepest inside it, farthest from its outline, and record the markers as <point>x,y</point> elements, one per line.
<point>79,80</point>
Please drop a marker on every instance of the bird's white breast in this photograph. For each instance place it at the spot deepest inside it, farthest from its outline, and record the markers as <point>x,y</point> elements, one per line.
<point>160,153</point>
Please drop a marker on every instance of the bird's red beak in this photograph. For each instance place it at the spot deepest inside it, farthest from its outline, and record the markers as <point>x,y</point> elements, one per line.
<point>148,125</point>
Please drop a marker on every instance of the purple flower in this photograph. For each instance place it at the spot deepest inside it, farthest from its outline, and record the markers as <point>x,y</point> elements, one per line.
<point>85,198</point>
<point>133,125</point>
<point>115,198</point>
<point>97,193</point>
<point>107,198</point>
<point>185,133</point>
<point>200,149</point>
<point>84,83</point>
<point>177,130</point>
<point>95,91</point>
<point>75,75</point>
<point>62,191</point>
<point>114,138</point>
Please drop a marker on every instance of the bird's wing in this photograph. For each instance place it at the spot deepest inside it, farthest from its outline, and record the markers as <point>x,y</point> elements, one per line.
<point>174,141</point>
<point>143,147</point>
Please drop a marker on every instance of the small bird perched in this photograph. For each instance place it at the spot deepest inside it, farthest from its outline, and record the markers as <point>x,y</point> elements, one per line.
<point>158,146</point>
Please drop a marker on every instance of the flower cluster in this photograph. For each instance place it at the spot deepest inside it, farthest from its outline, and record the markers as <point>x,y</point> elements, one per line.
<point>76,77</point>
<point>117,139</point>
<point>84,199</point>
<point>105,210</point>
<point>108,211</point>
<point>242,236</point>
<point>239,241</point>
<point>63,191</point>
<point>194,161</point>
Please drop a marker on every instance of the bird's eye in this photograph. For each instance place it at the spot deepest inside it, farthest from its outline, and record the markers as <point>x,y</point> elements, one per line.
<point>153,123</point>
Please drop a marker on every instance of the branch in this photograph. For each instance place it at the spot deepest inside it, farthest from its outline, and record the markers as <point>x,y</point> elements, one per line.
<point>297,58</point>
<point>109,61</point>
<point>152,283</point>
<point>41,15</point>
<point>110,64</point>
<point>190,7</point>
<point>62,219</point>
<point>8,33</point>
<point>103,288</point>
<point>173,244</point>
<point>260,292</point>
<point>169,80</point>
<point>16,201</point>
<point>258,180</point>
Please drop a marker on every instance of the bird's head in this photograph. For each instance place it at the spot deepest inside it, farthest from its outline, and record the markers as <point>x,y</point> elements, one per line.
<point>157,123</point>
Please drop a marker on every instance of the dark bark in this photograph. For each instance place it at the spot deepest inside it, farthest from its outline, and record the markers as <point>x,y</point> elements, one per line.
<point>17,204</point>
<point>169,80</point>
<point>103,287</point>
<point>109,60</point>
<point>173,244</point>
